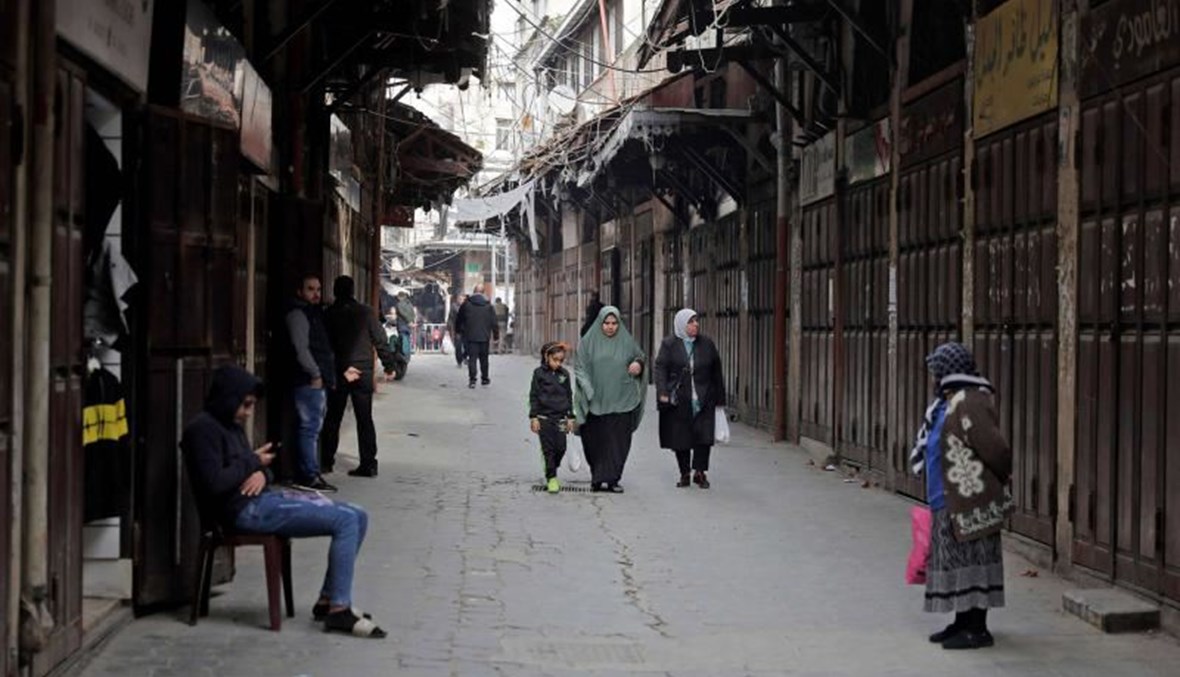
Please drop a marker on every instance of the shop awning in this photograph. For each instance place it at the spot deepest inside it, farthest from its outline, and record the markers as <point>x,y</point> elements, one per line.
<point>651,125</point>
<point>431,162</point>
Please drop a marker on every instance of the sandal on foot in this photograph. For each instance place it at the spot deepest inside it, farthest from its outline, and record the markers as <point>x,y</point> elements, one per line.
<point>349,622</point>
<point>320,610</point>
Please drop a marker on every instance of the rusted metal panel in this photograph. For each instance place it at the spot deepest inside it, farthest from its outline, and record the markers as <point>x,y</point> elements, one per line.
<point>1171,475</point>
<point>7,334</point>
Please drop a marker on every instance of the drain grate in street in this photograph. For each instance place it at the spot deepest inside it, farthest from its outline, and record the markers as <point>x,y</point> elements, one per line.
<point>565,488</point>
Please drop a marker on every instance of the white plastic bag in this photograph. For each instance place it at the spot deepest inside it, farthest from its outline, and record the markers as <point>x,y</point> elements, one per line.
<point>573,458</point>
<point>720,426</point>
<point>448,346</point>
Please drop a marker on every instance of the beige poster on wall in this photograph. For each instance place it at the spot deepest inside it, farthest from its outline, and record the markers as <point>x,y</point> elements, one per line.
<point>1015,74</point>
<point>115,33</point>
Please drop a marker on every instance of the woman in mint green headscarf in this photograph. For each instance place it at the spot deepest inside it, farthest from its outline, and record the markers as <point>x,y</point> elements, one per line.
<point>609,399</point>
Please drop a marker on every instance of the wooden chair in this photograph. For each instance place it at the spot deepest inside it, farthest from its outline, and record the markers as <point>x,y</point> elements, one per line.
<point>277,553</point>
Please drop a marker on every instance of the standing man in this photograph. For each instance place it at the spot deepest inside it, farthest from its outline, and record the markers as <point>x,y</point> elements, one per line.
<point>314,374</point>
<point>354,332</point>
<point>501,320</point>
<point>406,316</point>
<point>452,317</point>
<point>477,324</point>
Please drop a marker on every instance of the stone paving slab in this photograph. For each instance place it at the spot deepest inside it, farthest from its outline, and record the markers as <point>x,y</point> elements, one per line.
<point>779,569</point>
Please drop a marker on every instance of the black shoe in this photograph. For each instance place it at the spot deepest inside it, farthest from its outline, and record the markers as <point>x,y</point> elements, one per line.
<point>486,382</point>
<point>471,384</point>
<point>701,480</point>
<point>614,488</point>
<point>944,634</point>
<point>969,639</point>
<point>363,472</point>
<point>684,481</point>
<point>318,484</point>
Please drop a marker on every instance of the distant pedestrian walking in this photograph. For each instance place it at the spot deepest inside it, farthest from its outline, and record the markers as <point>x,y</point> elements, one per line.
<point>592,310</point>
<point>355,333</point>
<point>690,387</point>
<point>477,324</point>
<point>551,409</point>
<point>610,397</point>
<point>501,309</point>
<point>456,339</point>
<point>968,464</point>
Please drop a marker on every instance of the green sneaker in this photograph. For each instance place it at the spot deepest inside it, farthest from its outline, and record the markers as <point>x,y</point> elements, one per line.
<point>554,486</point>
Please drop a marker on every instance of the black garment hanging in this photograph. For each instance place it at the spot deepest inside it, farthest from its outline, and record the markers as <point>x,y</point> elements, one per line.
<point>106,449</point>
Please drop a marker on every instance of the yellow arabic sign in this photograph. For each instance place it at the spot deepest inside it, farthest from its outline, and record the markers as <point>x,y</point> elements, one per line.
<point>1015,64</point>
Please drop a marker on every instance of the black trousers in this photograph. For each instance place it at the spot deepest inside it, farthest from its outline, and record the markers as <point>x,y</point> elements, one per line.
<point>477,351</point>
<point>460,350</point>
<point>553,444</point>
<point>361,393</point>
<point>696,458</point>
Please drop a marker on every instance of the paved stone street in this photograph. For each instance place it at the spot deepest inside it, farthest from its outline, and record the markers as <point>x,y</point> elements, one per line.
<point>778,569</point>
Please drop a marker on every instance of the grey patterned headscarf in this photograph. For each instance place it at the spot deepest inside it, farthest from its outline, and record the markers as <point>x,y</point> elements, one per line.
<point>950,359</point>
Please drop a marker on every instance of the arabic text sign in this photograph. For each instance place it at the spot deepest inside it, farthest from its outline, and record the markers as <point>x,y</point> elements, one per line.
<point>1015,63</point>
<point>1124,40</point>
<point>817,170</point>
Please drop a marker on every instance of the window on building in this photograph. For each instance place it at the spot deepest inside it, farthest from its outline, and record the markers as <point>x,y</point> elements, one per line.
<point>508,91</point>
<point>503,134</point>
<point>614,15</point>
<point>587,60</point>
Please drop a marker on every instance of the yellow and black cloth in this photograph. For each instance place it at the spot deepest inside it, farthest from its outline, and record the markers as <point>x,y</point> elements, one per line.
<point>105,446</point>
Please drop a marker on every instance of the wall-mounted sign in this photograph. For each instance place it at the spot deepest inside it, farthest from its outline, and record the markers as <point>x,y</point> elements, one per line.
<point>932,125</point>
<point>257,119</point>
<point>817,170</point>
<point>1015,64</point>
<point>115,33</point>
<point>1124,40</point>
<point>212,68</point>
<point>473,268</point>
<point>868,152</point>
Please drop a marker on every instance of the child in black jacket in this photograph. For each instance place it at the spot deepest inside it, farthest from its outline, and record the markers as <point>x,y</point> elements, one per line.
<point>551,409</point>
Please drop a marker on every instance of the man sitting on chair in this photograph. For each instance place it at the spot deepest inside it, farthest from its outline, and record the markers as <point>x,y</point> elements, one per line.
<point>233,483</point>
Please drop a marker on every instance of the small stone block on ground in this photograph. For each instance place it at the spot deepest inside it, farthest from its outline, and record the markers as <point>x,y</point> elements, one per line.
<point>1112,610</point>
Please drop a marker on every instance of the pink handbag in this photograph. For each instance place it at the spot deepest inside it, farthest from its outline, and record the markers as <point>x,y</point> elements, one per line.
<point>920,521</point>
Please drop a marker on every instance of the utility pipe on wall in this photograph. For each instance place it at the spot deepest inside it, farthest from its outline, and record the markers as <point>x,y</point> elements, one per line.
<point>39,305</point>
<point>782,257</point>
<point>17,319</point>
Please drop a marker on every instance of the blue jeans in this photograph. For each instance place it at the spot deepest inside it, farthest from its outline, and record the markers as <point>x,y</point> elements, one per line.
<point>298,514</point>
<point>310,404</point>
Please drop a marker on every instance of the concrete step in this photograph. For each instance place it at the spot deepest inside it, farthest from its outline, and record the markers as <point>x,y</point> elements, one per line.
<point>1112,610</point>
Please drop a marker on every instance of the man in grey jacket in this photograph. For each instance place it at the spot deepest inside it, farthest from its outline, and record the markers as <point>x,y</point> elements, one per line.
<point>313,375</point>
<point>355,332</point>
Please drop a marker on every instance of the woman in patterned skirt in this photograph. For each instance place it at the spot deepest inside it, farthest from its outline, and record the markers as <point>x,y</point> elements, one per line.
<point>967,463</point>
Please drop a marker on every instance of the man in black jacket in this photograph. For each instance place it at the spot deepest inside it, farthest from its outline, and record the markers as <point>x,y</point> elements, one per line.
<point>232,485</point>
<point>354,332</point>
<point>477,325</point>
<point>313,375</point>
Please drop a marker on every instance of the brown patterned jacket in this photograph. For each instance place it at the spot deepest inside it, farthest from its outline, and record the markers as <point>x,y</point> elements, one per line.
<point>976,464</point>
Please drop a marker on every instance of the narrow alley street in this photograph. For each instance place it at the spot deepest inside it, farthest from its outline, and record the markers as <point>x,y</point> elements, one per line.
<point>778,569</point>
